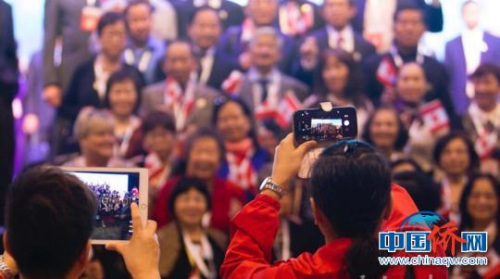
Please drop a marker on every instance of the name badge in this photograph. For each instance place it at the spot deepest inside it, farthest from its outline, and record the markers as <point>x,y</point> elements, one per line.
<point>90,18</point>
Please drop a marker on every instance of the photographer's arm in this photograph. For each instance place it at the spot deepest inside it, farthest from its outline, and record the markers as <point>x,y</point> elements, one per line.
<point>254,229</point>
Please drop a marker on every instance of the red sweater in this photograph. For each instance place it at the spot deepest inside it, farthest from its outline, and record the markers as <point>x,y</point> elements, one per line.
<point>222,194</point>
<point>255,227</point>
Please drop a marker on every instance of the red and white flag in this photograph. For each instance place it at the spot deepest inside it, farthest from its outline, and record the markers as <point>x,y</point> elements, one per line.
<point>178,103</point>
<point>486,144</point>
<point>286,108</point>
<point>172,93</point>
<point>264,111</point>
<point>233,82</point>
<point>434,115</point>
<point>387,73</point>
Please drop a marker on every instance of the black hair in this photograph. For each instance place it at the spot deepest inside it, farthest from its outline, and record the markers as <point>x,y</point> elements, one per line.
<point>185,184</point>
<point>422,189</point>
<point>410,161</point>
<point>221,102</point>
<point>409,7</point>
<point>465,218</point>
<point>158,119</point>
<point>198,10</point>
<point>351,185</point>
<point>486,69</point>
<point>132,3</point>
<point>50,218</point>
<point>107,19</point>
<point>403,136</point>
<point>122,75</point>
<point>204,132</point>
<point>351,2</point>
<point>354,85</point>
<point>445,140</point>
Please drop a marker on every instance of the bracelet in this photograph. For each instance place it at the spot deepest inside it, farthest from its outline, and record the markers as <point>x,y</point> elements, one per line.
<point>5,270</point>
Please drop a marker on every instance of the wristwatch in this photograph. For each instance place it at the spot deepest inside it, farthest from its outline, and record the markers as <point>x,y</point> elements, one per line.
<point>4,269</point>
<point>269,184</point>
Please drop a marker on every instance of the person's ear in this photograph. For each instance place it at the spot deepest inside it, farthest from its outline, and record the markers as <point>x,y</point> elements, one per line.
<point>319,217</point>
<point>85,256</point>
<point>353,11</point>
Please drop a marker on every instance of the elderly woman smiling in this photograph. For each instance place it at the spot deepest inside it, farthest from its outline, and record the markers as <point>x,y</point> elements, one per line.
<point>94,129</point>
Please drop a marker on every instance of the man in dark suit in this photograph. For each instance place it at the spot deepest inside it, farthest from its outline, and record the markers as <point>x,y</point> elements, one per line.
<point>337,33</point>
<point>260,13</point>
<point>8,88</point>
<point>63,20</point>
<point>373,18</point>
<point>204,32</point>
<point>230,13</point>
<point>180,94</point>
<point>381,70</point>
<point>264,82</point>
<point>466,52</point>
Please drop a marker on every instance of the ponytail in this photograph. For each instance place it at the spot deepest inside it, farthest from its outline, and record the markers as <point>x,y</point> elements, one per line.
<point>362,259</point>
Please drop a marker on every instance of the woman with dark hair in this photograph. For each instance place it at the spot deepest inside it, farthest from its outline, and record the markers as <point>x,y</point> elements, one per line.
<point>352,201</point>
<point>340,83</point>
<point>244,157</point>
<point>123,98</point>
<point>204,154</point>
<point>479,212</point>
<point>456,157</point>
<point>385,130</point>
<point>187,249</point>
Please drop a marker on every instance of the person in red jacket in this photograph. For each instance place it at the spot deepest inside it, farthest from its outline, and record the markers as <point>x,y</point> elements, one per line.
<point>204,154</point>
<point>351,202</point>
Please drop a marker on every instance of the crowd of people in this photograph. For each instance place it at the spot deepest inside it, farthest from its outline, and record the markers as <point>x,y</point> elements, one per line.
<point>202,92</point>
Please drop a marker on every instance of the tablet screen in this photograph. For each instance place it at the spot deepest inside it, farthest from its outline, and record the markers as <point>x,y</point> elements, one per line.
<point>114,191</point>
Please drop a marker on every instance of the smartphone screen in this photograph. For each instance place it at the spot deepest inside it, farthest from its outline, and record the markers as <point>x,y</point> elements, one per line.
<point>316,124</point>
<point>114,193</point>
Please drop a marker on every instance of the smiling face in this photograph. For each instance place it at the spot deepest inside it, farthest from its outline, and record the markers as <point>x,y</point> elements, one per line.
<point>205,29</point>
<point>265,51</point>
<point>338,13</point>
<point>335,75</point>
<point>262,12</point>
<point>189,208</point>
<point>412,83</point>
<point>204,159</point>
<point>232,122</point>
<point>113,40</point>
<point>486,91</point>
<point>454,158</point>
<point>99,142</point>
<point>482,203</point>
<point>139,22</point>
<point>384,129</point>
<point>123,98</point>
<point>409,28</point>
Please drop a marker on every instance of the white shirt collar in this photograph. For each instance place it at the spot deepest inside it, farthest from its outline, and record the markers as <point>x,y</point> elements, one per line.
<point>347,35</point>
<point>254,75</point>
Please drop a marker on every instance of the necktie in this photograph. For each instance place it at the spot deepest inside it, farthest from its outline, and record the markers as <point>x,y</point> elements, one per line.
<point>340,42</point>
<point>264,83</point>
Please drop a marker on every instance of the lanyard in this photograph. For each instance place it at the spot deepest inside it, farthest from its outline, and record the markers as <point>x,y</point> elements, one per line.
<point>398,61</point>
<point>143,63</point>
<point>195,257</point>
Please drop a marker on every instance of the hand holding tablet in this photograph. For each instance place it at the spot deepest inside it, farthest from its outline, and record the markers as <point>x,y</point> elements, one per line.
<point>142,252</point>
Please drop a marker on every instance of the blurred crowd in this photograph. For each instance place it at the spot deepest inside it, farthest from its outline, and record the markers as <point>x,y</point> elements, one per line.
<point>201,92</point>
